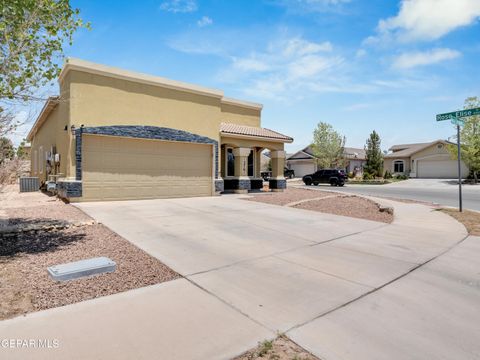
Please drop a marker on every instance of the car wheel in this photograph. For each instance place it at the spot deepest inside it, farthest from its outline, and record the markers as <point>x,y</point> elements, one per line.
<point>315,183</point>
<point>341,184</point>
<point>333,183</point>
<point>308,182</point>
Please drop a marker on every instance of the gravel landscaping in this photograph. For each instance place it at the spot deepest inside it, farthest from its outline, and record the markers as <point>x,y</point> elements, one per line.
<point>329,202</point>
<point>288,196</point>
<point>282,348</point>
<point>24,257</point>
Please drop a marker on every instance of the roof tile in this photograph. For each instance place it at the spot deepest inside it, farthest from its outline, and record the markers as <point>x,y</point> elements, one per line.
<point>229,128</point>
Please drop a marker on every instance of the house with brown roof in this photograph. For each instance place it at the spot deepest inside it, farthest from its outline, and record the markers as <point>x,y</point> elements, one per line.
<point>304,162</point>
<point>113,134</point>
<point>423,160</point>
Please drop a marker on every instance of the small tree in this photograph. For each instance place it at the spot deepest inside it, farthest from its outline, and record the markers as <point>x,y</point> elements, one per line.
<point>21,152</point>
<point>328,146</point>
<point>374,156</point>
<point>7,151</point>
<point>470,139</point>
<point>33,34</point>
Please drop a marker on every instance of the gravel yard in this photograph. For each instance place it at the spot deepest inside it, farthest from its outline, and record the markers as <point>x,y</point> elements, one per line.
<point>288,196</point>
<point>24,257</point>
<point>282,348</point>
<point>470,219</point>
<point>330,202</point>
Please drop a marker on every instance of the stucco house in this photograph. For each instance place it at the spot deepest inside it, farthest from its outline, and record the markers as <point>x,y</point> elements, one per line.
<point>423,160</point>
<point>113,134</point>
<point>303,161</point>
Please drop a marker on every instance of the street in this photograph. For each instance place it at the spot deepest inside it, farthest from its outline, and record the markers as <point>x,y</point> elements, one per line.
<point>441,191</point>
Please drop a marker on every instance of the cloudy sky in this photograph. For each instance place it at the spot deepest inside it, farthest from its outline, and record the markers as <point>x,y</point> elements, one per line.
<point>388,65</point>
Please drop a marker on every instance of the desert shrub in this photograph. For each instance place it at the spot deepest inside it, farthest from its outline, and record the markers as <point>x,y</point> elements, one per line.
<point>11,170</point>
<point>388,175</point>
<point>368,176</point>
<point>351,175</point>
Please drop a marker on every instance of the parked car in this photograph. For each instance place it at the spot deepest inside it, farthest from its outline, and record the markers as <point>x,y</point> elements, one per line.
<point>289,174</point>
<point>333,177</point>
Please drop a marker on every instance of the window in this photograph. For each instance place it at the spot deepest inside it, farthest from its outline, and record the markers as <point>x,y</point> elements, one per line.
<point>230,162</point>
<point>398,166</point>
<point>40,160</point>
<point>251,165</point>
<point>35,162</point>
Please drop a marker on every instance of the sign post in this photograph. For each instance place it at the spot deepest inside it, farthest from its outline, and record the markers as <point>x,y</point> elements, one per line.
<point>456,118</point>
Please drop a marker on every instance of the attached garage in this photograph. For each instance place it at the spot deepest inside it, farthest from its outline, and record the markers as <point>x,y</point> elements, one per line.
<point>122,168</point>
<point>439,169</point>
<point>302,168</point>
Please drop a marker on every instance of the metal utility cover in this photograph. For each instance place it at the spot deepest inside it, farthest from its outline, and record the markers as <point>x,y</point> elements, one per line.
<point>82,268</point>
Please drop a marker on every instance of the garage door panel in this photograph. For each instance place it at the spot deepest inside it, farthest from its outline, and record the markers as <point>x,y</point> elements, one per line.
<point>124,168</point>
<point>442,169</point>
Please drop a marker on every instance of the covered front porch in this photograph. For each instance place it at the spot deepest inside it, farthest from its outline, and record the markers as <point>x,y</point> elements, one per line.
<point>240,157</point>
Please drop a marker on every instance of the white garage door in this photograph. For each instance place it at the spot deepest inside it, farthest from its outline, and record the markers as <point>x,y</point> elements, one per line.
<point>118,168</point>
<point>441,169</point>
<point>302,168</point>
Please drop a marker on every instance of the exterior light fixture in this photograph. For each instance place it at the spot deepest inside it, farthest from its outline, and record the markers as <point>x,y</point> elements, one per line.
<point>72,128</point>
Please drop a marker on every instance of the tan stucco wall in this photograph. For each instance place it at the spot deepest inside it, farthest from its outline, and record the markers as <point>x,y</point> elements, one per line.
<point>432,151</point>
<point>52,133</point>
<point>240,115</point>
<point>97,100</point>
<point>388,164</point>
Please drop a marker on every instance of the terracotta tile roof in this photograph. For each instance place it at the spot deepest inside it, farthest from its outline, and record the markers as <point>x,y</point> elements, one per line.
<point>235,129</point>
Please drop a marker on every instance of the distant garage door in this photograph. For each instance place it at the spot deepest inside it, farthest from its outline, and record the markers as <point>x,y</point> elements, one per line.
<point>302,169</point>
<point>441,169</point>
<point>119,168</point>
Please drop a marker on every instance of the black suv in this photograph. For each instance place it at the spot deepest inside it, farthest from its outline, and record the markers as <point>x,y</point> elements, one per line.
<point>328,176</point>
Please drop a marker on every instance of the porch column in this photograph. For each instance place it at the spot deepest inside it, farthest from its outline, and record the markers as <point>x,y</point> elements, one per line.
<point>241,169</point>
<point>277,181</point>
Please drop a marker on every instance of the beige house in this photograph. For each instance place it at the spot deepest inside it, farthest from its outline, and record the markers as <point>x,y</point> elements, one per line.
<point>303,161</point>
<point>423,160</point>
<point>113,134</point>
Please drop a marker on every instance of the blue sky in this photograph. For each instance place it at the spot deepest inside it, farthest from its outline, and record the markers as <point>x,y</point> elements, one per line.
<point>360,65</point>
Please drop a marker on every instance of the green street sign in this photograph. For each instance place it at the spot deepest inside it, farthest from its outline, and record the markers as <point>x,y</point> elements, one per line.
<point>458,114</point>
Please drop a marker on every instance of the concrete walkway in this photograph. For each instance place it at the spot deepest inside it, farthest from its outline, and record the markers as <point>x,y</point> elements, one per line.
<point>343,288</point>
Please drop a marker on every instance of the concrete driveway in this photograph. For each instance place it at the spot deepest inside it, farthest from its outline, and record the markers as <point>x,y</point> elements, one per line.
<point>440,191</point>
<point>343,288</point>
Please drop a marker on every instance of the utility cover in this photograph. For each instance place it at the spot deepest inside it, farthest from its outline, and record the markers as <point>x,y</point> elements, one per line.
<point>82,268</point>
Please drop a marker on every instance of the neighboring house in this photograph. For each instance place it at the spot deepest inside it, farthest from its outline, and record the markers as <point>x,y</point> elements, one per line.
<point>114,134</point>
<point>303,161</point>
<point>423,160</point>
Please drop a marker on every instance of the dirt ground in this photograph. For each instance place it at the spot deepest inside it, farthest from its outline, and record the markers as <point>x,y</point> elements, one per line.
<point>331,203</point>
<point>281,348</point>
<point>470,219</point>
<point>288,196</point>
<point>25,285</point>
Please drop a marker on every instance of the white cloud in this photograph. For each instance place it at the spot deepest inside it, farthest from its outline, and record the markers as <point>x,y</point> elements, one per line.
<point>204,21</point>
<point>427,19</point>
<point>285,65</point>
<point>413,59</point>
<point>179,6</point>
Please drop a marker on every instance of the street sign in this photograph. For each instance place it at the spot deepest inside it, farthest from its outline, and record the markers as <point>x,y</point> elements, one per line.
<point>458,114</point>
<point>460,122</point>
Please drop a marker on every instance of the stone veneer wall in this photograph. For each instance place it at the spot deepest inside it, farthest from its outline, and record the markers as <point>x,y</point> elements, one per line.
<point>277,184</point>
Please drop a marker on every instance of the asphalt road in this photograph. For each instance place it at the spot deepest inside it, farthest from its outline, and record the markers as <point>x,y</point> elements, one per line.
<point>444,192</point>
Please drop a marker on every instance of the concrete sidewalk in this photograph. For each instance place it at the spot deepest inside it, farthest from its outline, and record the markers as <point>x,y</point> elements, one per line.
<point>253,269</point>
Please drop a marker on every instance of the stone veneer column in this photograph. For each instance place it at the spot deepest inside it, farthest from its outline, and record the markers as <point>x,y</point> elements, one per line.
<point>241,169</point>
<point>277,182</point>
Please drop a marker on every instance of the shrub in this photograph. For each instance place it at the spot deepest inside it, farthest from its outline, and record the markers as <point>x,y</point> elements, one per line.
<point>368,176</point>
<point>388,175</point>
<point>351,175</point>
